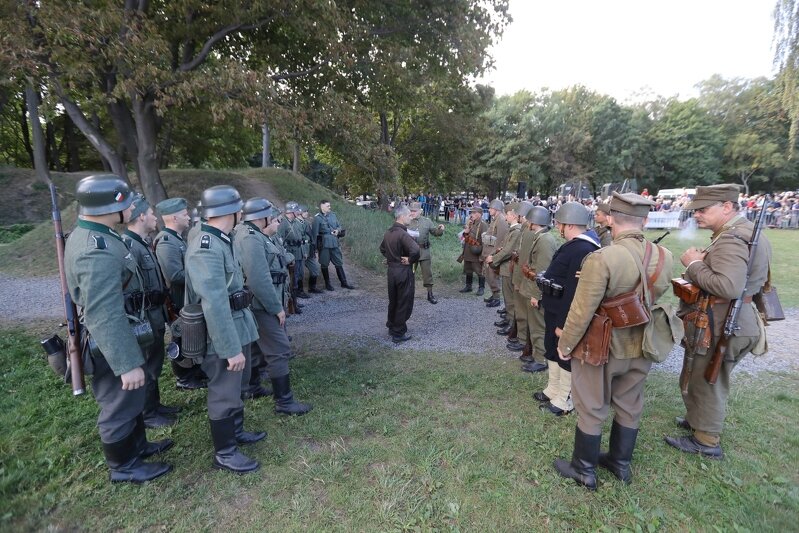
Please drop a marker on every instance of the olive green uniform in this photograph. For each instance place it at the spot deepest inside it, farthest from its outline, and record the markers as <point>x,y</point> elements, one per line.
<point>503,258</point>
<point>472,263</point>
<point>213,273</point>
<point>538,258</point>
<point>722,274</point>
<point>424,227</point>
<point>100,272</point>
<point>527,237</point>
<point>605,273</point>
<point>154,288</point>
<point>491,238</point>
<point>605,237</point>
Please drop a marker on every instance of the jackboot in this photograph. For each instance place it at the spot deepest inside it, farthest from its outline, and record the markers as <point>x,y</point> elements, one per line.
<point>245,437</point>
<point>468,286</point>
<point>146,448</point>
<point>312,286</point>
<point>514,331</point>
<point>504,331</point>
<point>124,460</point>
<point>187,378</point>
<point>620,452</point>
<point>285,403</point>
<point>300,292</point>
<point>430,297</point>
<point>481,285</point>
<point>515,346</point>
<point>585,457</point>
<point>326,275</point>
<point>155,419</point>
<point>527,353</point>
<point>342,278</point>
<point>493,302</point>
<point>227,455</point>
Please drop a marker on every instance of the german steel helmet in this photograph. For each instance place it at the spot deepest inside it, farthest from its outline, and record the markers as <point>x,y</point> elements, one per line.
<point>103,194</point>
<point>293,207</point>
<point>256,208</point>
<point>573,213</point>
<point>497,204</point>
<point>539,215</point>
<point>523,208</point>
<point>220,200</point>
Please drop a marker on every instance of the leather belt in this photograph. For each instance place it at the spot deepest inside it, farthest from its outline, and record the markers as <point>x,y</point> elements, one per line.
<point>746,300</point>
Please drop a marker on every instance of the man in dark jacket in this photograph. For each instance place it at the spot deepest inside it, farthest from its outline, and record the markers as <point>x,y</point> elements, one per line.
<point>400,251</point>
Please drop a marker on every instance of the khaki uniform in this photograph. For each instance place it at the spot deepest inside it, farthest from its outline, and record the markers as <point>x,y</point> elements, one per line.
<point>424,227</point>
<point>538,257</point>
<point>504,258</point>
<point>492,237</point>
<point>472,263</point>
<point>605,273</point>
<point>722,274</point>
<point>605,237</point>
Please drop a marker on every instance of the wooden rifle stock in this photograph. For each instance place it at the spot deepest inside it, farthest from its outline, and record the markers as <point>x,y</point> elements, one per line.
<point>70,309</point>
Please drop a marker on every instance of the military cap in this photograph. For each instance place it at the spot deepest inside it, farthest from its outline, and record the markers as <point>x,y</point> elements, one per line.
<point>630,204</point>
<point>497,204</point>
<point>713,194</point>
<point>140,206</point>
<point>477,209</point>
<point>513,206</point>
<point>415,206</point>
<point>604,207</point>
<point>171,206</point>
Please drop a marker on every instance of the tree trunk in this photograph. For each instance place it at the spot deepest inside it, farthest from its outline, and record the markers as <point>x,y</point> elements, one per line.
<point>96,124</point>
<point>39,149</point>
<point>147,141</point>
<point>126,130</point>
<point>296,164</point>
<point>266,156</point>
<point>24,129</point>
<point>54,159</point>
<point>71,143</point>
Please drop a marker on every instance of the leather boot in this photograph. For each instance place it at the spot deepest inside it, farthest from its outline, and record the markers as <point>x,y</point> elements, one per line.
<point>481,285</point>
<point>514,332</point>
<point>504,331</point>
<point>256,390</point>
<point>124,460</point>
<point>620,452</point>
<point>326,275</point>
<point>245,437</point>
<point>300,292</point>
<point>284,398</point>
<point>342,278</point>
<point>155,420</point>
<point>312,286</point>
<point>582,467</point>
<point>527,353</point>
<point>430,297</point>
<point>468,286</point>
<point>187,378</point>
<point>146,448</point>
<point>502,323</point>
<point>227,455</point>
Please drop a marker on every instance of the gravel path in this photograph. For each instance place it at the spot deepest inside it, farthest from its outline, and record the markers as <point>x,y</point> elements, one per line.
<point>458,323</point>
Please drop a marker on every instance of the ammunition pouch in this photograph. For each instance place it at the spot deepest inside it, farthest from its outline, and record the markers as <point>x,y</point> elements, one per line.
<point>424,246</point>
<point>278,278</point>
<point>142,331</point>
<point>528,272</point>
<point>292,244</point>
<point>240,299</point>
<point>138,301</point>
<point>548,287</point>
<point>685,290</point>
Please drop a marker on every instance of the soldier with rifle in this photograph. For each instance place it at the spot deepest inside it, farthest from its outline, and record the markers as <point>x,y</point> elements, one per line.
<point>292,231</point>
<point>311,263</point>
<point>102,277</point>
<point>722,324</point>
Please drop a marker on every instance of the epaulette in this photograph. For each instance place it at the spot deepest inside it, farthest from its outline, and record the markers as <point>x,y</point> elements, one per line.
<point>99,242</point>
<point>318,215</point>
<point>165,238</point>
<point>205,242</point>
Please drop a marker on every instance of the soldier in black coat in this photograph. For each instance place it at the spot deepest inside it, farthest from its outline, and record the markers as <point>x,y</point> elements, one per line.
<point>400,251</point>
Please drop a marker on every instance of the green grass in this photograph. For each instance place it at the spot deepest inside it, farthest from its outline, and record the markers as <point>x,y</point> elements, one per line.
<point>13,232</point>
<point>398,441</point>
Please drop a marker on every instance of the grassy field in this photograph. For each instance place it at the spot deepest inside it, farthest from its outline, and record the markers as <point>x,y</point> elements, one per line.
<point>398,441</point>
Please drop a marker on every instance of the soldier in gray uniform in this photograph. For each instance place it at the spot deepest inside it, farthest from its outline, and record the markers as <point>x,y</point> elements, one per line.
<point>266,277</point>
<point>170,250</point>
<point>100,273</point>
<point>326,232</point>
<point>142,223</point>
<point>420,228</point>
<point>214,280</point>
<point>292,232</point>
<point>311,264</point>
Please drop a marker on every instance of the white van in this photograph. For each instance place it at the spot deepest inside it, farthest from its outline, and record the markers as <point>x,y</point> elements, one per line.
<point>671,194</point>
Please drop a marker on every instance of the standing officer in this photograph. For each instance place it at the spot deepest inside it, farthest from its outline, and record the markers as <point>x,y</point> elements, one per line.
<point>170,250</point>
<point>400,251</point>
<point>606,273</point>
<point>721,271</point>
<point>421,228</point>
<point>151,302</point>
<point>311,264</point>
<point>557,294</point>
<point>503,258</point>
<point>265,274</point>
<point>100,274</point>
<point>602,226</point>
<point>292,232</point>
<point>214,280</point>
<point>326,231</point>
<point>472,248</point>
<point>495,234</point>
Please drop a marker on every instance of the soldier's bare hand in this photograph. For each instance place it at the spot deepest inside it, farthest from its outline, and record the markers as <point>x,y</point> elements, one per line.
<point>490,259</point>
<point>558,332</point>
<point>562,356</point>
<point>692,254</point>
<point>236,363</point>
<point>281,317</point>
<point>441,226</point>
<point>405,260</point>
<point>534,302</point>
<point>133,379</point>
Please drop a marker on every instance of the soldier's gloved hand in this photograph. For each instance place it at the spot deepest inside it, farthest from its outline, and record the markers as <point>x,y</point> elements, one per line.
<point>236,363</point>
<point>281,317</point>
<point>133,379</point>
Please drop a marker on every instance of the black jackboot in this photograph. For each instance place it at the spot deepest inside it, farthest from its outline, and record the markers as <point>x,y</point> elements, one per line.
<point>430,297</point>
<point>228,456</point>
<point>326,275</point>
<point>620,452</point>
<point>468,286</point>
<point>245,437</point>
<point>582,467</point>
<point>188,378</point>
<point>342,277</point>
<point>146,448</point>
<point>300,292</point>
<point>481,285</point>
<point>312,286</point>
<point>284,398</point>
<point>124,460</point>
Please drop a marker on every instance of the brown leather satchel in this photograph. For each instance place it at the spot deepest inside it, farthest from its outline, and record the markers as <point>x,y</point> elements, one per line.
<point>528,272</point>
<point>685,290</point>
<point>629,309</point>
<point>594,347</point>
